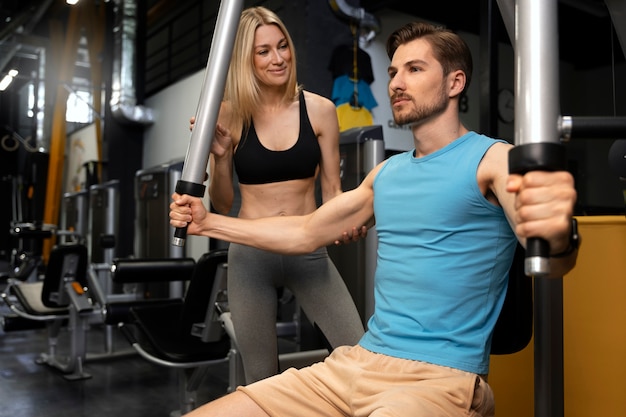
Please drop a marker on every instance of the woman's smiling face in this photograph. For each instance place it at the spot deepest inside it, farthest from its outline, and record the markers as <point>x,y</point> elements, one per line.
<point>272,56</point>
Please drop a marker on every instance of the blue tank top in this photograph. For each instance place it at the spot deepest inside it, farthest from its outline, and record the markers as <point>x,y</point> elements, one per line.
<point>443,258</point>
<point>255,164</point>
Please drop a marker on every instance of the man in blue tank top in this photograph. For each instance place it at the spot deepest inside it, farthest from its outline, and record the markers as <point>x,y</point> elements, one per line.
<point>448,216</point>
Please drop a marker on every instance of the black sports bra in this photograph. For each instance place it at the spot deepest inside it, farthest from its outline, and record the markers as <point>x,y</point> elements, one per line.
<point>255,164</point>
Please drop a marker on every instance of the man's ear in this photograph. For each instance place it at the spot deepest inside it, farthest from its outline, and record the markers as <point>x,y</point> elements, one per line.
<point>457,83</point>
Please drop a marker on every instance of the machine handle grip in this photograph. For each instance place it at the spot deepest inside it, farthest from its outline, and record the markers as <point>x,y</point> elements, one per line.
<point>193,189</point>
<point>539,156</point>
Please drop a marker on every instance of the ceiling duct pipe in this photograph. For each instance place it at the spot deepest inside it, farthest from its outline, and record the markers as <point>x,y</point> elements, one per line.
<point>123,101</point>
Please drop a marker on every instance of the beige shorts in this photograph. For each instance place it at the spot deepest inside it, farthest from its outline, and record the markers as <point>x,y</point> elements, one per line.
<point>353,381</point>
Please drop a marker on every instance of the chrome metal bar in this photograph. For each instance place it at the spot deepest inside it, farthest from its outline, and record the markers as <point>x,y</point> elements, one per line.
<point>537,139</point>
<point>536,106</point>
<point>211,95</point>
<point>536,72</point>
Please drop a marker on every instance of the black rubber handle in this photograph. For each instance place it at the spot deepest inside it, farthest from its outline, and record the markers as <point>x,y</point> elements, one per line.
<point>592,127</point>
<point>193,189</point>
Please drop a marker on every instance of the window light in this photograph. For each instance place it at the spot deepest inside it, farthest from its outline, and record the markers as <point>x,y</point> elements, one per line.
<point>4,84</point>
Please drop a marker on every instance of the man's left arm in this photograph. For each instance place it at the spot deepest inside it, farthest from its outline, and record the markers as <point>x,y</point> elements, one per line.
<point>539,204</point>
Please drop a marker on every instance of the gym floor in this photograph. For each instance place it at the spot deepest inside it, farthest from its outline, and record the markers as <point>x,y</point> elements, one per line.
<point>126,384</point>
<point>122,382</point>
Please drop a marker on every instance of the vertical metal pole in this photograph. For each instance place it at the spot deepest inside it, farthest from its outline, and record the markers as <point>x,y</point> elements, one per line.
<point>536,72</point>
<point>211,95</point>
<point>488,70</point>
<point>538,148</point>
<point>373,154</point>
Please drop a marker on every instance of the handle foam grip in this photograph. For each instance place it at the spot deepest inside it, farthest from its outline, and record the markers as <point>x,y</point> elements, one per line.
<point>193,189</point>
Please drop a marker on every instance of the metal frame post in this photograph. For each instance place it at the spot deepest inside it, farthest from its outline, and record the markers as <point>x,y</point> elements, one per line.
<point>538,147</point>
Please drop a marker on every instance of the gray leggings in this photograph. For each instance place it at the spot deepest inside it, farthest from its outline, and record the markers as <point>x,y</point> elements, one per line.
<point>254,275</point>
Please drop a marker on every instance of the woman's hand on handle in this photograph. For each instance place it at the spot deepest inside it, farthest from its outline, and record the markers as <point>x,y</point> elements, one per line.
<point>188,211</point>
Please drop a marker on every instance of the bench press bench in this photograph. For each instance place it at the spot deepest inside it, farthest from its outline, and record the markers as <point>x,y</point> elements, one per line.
<point>116,309</point>
<point>61,298</point>
<point>70,296</point>
<point>186,334</point>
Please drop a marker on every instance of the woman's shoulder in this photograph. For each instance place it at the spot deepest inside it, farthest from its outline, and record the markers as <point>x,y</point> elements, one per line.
<point>316,101</point>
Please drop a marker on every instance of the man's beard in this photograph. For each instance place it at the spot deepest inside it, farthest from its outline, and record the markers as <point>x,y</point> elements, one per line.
<point>420,113</point>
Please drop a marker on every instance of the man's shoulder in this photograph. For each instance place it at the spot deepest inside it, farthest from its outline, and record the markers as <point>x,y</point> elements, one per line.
<point>481,136</point>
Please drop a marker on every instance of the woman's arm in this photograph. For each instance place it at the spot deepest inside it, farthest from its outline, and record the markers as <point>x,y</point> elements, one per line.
<point>221,165</point>
<point>323,117</point>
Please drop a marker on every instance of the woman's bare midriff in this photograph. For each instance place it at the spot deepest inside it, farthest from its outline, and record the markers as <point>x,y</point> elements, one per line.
<point>286,198</point>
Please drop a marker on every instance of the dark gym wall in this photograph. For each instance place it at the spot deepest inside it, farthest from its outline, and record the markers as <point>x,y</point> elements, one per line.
<point>316,31</point>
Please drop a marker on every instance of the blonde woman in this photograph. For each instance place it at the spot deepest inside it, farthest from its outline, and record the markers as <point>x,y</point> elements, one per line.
<point>279,138</point>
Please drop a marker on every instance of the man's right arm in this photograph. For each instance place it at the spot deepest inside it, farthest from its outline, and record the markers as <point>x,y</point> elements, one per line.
<point>282,234</point>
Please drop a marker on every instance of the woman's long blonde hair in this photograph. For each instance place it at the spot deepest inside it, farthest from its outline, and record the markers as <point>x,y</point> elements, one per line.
<point>242,87</point>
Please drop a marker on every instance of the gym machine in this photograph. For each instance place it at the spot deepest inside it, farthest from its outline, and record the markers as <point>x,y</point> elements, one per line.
<point>360,150</point>
<point>539,130</point>
<point>75,216</point>
<point>153,190</point>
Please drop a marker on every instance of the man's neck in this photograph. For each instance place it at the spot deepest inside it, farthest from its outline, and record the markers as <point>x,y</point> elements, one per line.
<point>437,134</point>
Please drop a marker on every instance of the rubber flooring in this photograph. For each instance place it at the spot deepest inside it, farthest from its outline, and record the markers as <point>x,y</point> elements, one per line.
<point>120,384</point>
